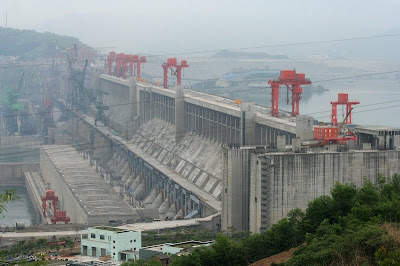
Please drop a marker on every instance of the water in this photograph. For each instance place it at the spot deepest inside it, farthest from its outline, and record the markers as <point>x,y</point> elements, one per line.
<point>379,101</point>
<point>21,210</point>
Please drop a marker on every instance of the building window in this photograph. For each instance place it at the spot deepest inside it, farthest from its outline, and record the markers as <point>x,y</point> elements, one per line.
<point>113,253</point>
<point>134,240</point>
<point>109,238</point>
<point>113,241</point>
<point>134,249</point>
<point>102,237</point>
<point>255,199</point>
<point>131,241</point>
<point>93,235</point>
<point>113,247</point>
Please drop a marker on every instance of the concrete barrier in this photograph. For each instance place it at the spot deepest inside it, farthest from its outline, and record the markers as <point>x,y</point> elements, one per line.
<point>12,174</point>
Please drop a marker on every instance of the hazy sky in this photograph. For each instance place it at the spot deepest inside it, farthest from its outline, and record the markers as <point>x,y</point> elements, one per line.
<point>159,26</point>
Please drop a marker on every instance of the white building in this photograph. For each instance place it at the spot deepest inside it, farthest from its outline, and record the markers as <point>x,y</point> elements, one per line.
<point>111,243</point>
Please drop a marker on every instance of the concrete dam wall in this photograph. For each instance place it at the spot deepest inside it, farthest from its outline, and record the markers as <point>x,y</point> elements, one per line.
<point>284,182</point>
<point>260,188</point>
<point>12,174</point>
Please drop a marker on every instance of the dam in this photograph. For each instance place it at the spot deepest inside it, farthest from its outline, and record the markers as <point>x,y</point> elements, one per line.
<point>175,153</point>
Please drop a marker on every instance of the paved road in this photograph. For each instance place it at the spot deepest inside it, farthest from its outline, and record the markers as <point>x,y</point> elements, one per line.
<point>135,227</point>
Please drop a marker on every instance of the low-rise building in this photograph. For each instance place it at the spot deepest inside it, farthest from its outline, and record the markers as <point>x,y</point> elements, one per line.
<point>111,243</point>
<point>171,248</point>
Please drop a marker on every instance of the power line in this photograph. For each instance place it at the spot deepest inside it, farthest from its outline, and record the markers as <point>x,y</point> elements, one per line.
<point>206,94</point>
<point>250,47</point>
<point>194,132</point>
<point>284,44</point>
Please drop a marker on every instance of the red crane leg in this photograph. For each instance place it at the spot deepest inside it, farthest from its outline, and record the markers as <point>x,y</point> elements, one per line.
<point>138,69</point>
<point>334,114</point>
<point>274,100</point>
<point>118,67</point>
<point>110,61</point>
<point>348,107</point>
<point>131,66</point>
<point>165,76</point>
<point>178,75</point>
<point>296,92</point>
<point>124,66</point>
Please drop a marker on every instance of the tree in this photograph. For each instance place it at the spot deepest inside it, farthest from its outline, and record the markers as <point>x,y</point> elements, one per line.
<point>343,196</point>
<point>8,196</point>
<point>70,245</point>
<point>318,210</point>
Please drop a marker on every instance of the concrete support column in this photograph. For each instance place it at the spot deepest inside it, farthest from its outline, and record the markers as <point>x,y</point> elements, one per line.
<point>132,106</point>
<point>281,142</point>
<point>179,114</point>
<point>247,123</point>
<point>141,106</point>
<point>304,127</point>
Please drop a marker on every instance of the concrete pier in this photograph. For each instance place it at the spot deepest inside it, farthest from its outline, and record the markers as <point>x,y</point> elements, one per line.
<point>82,192</point>
<point>261,188</point>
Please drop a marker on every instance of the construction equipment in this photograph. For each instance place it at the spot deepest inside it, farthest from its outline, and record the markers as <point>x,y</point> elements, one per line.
<point>100,107</point>
<point>343,99</point>
<point>59,216</point>
<point>176,70</point>
<point>331,134</point>
<point>122,60</point>
<point>78,92</point>
<point>11,108</point>
<point>293,82</point>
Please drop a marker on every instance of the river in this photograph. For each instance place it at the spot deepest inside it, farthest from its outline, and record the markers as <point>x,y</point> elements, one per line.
<point>20,210</point>
<point>379,101</point>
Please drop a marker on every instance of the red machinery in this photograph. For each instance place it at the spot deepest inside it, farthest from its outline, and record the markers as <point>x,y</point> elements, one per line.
<point>59,216</point>
<point>293,82</point>
<point>343,99</point>
<point>138,62</point>
<point>333,134</point>
<point>123,60</point>
<point>110,59</point>
<point>172,63</point>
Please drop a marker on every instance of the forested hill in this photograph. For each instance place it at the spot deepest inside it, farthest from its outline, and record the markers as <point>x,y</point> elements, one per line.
<point>32,45</point>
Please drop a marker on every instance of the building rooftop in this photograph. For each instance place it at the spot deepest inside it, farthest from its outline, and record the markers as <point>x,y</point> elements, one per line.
<point>377,128</point>
<point>109,228</point>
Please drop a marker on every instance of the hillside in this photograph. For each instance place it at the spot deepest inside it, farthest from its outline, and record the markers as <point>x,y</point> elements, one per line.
<point>30,45</point>
<point>352,226</point>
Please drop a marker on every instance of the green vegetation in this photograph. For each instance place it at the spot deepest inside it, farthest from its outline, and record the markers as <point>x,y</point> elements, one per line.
<point>33,246</point>
<point>352,226</point>
<point>32,45</point>
<point>8,196</point>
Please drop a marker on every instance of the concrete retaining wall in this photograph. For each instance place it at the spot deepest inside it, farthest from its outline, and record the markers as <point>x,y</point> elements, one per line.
<point>20,141</point>
<point>12,174</point>
<point>283,182</point>
<point>66,198</point>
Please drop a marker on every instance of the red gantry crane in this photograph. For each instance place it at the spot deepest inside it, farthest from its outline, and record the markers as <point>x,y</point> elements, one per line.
<point>343,99</point>
<point>122,60</point>
<point>59,216</point>
<point>172,63</point>
<point>293,82</point>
